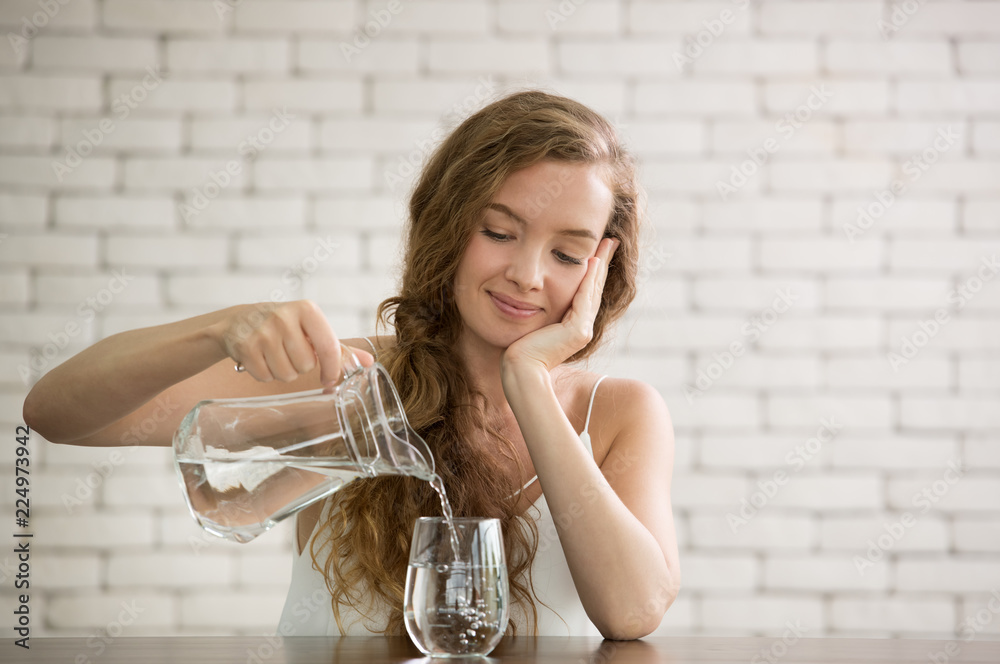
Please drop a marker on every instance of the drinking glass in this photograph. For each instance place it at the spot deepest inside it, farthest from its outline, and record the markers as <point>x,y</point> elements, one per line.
<point>456,607</point>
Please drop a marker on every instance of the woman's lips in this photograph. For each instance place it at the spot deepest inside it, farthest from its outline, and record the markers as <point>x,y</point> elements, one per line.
<point>512,310</point>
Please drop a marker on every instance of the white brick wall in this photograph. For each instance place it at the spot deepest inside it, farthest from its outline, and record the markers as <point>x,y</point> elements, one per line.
<point>128,538</point>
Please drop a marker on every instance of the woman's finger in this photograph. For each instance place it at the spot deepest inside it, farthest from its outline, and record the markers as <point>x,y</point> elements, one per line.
<point>324,342</point>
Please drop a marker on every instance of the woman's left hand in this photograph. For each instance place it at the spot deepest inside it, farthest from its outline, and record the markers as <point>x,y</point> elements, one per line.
<point>553,344</point>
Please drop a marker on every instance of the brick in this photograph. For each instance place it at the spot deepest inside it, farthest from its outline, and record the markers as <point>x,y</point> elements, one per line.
<point>24,132</point>
<point>68,571</point>
<point>816,137</point>
<point>897,614</point>
<point>873,371</point>
<point>957,334</point>
<point>147,490</point>
<point>171,569</point>
<point>958,18</point>
<point>978,374</point>
<point>429,17</point>
<point>979,611</point>
<point>222,290</point>
<point>26,92</point>
<point>636,56</point>
<point>14,288</point>
<point>271,570</point>
<point>861,96</point>
<point>766,531</point>
<point>887,293</point>
<point>167,251</point>
<point>158,135</point>
<point>84,611</point>
<point>888,57</point>
<point>715,409</point>
<point>967,96</point>
<point>850,412</point>
<point>93,52</point>
<point>350,290</point>
<point>511,55</point>
<point>764,214</point>
<point>685,18</point>
<point>92,173</point>
<point>377,134</point>
<point>658,137</point>
<point>172,173</point>
<point>672,216</point>
<point>978,57</point>
<point>879,137</point>
<point>49,249</point>
<point>980,215</point>
<point>394,55</point>
<point>697,176</point>
<point>754,295</point>
<point>695,490</point>
<point>23,210</point>
<point>985,139</point>
<point>755,452</point>
<point>252,212</point>
<point>820,572</point>
<point>235,610</point>
<point>678,620</point>
<point>307,95</point>
<point>696,98</point>
<point>821,176</point>
<point>754,371</point>
<point>978,176</point>
<point>182,534</point>
<point>835,491</point>
<point>710,571</point>
<point>82,15</point>
<point>174,94</point>
<point>76,532</point>
<point>707,332</point>
<point>247,137</point>
<point>957,574</point>
<point>821,255</point>
<point>231,55</point>
<point>981,453</point>
<point>410,99</point>
<point>654,293</point>
<point>907,216</point>
<point>755,613</point>
<point>296,16</point>
<point>602,18</point>
<point>163,16</point>
<point>974,535</point>
<point>945,490</point>
<point>818,18</point>
<point>383,251</point>
<point>651,367</point>
<point>118,212</point>
<point>314,255</point>
<point>55,335</point>
<point>962,255</point>
<point>774,57</point>
<point>313,174</point>
<point>75,290</point>
<point>855,535</point>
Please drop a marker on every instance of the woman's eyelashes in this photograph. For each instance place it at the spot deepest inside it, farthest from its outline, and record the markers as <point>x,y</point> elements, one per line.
<point>500,237</point>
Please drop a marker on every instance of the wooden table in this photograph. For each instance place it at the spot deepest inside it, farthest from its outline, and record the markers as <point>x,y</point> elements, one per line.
<point>580,650</point>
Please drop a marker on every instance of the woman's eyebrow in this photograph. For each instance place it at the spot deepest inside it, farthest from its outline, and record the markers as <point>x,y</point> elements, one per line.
<point>571,232</point>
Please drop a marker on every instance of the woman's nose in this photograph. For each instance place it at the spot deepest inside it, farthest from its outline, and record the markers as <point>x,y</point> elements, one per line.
<point>526,270</point>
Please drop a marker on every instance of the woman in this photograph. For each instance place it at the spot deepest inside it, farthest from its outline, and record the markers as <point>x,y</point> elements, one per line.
<point>522,249</point>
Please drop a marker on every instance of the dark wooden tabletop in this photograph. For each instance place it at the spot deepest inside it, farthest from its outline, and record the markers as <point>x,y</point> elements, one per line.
<point>578,650</point>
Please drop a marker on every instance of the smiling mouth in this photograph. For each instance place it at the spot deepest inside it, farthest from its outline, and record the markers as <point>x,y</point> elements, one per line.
<point>511,309</point>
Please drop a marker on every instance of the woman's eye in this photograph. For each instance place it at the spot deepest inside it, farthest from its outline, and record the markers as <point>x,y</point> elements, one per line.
<point>494,236</point>
<point>568,259</point>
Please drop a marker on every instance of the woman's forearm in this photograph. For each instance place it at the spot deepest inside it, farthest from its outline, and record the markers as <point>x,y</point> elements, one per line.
<point>112,378</point>
<point>617,565</point>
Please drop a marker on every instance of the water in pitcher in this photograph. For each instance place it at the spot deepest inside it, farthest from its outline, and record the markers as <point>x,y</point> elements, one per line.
<point>240,498</point>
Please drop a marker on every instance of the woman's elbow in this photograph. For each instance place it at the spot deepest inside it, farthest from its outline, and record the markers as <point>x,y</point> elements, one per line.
<point>644,619</point>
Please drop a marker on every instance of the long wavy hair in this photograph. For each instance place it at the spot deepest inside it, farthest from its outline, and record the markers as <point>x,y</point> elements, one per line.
<point>368,530</point>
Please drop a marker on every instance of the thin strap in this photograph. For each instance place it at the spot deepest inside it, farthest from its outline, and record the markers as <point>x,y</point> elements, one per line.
<point>374,350</point>
<point>593,393</point>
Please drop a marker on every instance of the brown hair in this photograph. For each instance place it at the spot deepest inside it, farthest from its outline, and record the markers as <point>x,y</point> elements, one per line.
<point>369,529</point>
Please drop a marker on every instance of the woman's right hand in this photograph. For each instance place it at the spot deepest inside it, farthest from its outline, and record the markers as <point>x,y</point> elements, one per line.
<point>282,341</point>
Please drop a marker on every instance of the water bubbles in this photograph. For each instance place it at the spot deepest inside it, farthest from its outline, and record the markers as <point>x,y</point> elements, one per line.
<point>475,624</point>
<point>471,632</point>
<point>441,569</point>
<point>464,641</point>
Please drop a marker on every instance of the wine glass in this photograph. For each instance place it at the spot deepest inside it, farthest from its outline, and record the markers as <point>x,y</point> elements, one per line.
<point>456,602</point>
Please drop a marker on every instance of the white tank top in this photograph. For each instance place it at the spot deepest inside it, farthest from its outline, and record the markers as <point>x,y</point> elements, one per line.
<point>307,609</point>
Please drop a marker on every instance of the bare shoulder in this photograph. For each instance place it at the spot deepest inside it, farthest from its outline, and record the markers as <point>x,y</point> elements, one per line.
<point>627,411</point>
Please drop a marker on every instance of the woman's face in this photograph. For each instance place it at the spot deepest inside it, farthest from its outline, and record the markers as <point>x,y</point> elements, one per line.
<point>528,254</point>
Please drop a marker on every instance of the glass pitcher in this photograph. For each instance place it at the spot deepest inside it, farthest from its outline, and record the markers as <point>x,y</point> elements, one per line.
<point>246,464</point>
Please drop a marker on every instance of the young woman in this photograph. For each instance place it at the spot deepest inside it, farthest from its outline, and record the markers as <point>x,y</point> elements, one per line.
<point>521,251</point>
